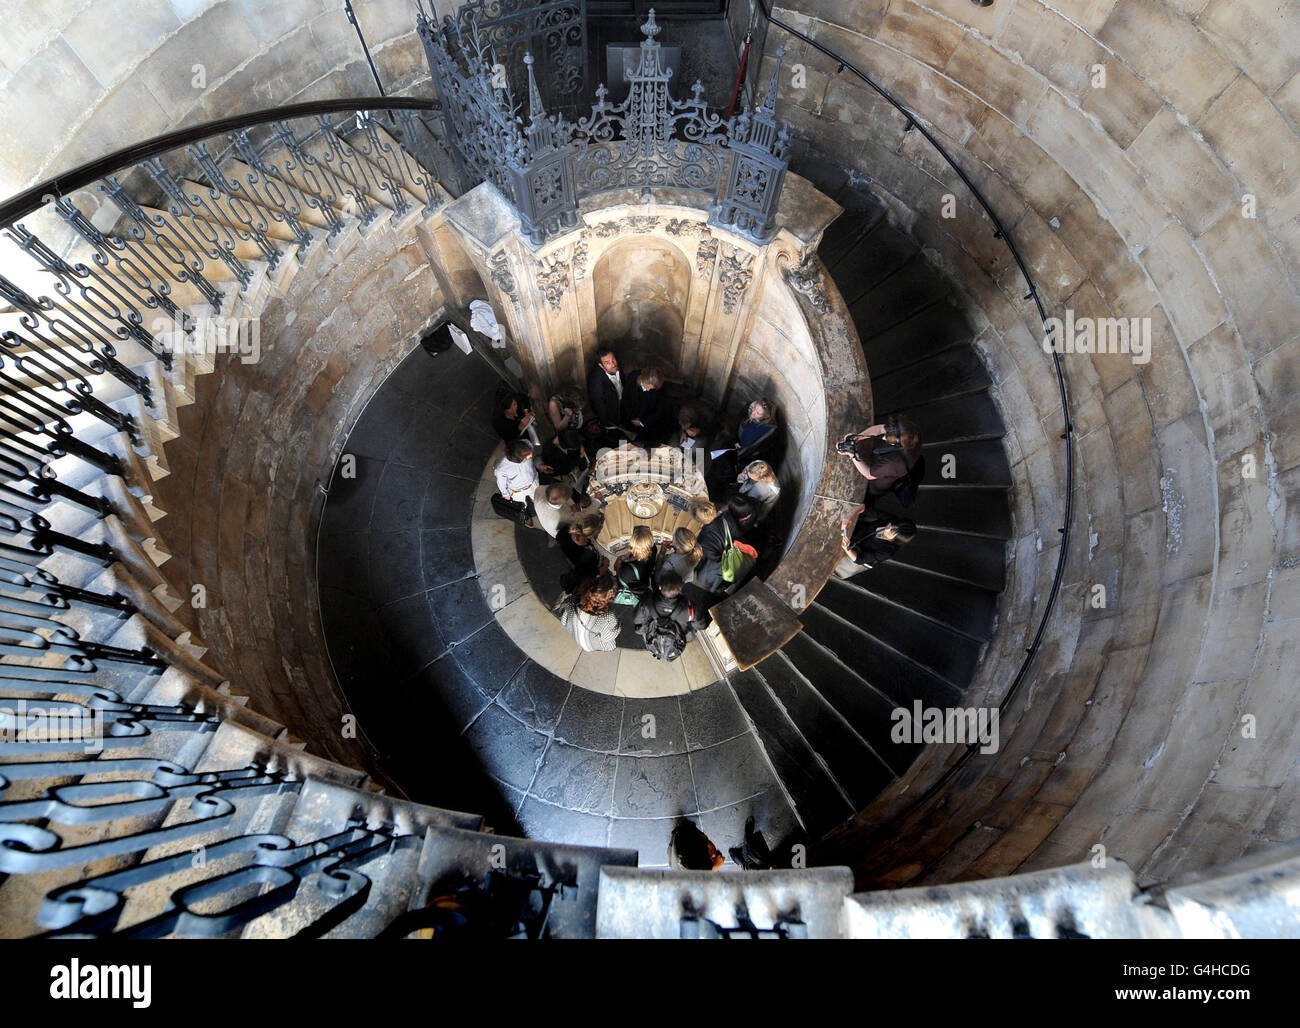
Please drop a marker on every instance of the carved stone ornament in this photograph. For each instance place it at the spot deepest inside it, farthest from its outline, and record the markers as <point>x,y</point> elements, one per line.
<point>705,254</point>
<point>553,281</point>
<point>502,277</point>
<point>806,278</point>
<point>734,275</point>
<point>579,260</point>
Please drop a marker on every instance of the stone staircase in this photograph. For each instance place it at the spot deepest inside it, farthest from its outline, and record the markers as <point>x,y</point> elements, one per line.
<point>196,816</point>
<point>199,817</point>
<point>913,629</point>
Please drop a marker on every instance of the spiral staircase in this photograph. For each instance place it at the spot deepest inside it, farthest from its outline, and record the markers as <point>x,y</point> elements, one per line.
<point>201,817</point>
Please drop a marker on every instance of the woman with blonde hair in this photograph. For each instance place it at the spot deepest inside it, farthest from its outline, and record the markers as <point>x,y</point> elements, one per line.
<point>635,568</point>
<point>758,482</point>
<point>679,556</point>
<point>704,511</point>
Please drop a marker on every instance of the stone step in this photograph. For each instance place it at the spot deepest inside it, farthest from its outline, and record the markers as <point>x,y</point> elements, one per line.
<point>818,800</point>
<point>976,560</point>
<point>929,331</point>
<point>875,257</point>
<point>955,371</point>
<point>859,772</point>
<point>949,654</point>
<point>963,608</point>
<point>644,904</point>
<point>867,705</point>
<point>975,509</point>
<point>452,857</point>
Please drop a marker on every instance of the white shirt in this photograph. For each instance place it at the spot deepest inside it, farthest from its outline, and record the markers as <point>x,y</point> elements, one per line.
<point>551,520</point>
<point>481,319</point>
<point>618,383</point>
<point>515,478</point>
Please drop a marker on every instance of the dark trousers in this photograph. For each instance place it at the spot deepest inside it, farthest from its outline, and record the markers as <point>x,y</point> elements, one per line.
<point>513,509</point>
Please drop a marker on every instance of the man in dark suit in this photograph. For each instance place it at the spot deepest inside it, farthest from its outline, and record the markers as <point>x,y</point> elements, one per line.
<point>648,413</point>
<point>606,388</point>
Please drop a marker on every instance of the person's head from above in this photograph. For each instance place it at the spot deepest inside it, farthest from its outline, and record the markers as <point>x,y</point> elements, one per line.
<point>694,850</point>
<point>704,511</point>
<point>557,495</point>
<point>519,451</point>
<point>649,379</point>
<point>762,411</point>
<point>670,586</point>
<point>684,541</point>
<point>569,398</point>
<point>901,531</point>
<point>901,431</point>
<point>599,595</point>
<point>758,471</point>
<point>510,405</point>
<point>740,506</point>
<point>607,360</point>
<point>687,418</point>
<point>642,544</point>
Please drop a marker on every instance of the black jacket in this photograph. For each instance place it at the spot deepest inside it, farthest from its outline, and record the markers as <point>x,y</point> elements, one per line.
<point>654,411</point>
<point>603,397</point>
<point>562,462</point>
<point>652,608</point>
<point>870,550</point>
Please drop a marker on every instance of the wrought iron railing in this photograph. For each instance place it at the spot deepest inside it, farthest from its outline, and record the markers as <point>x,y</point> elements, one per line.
<point>1001,233</point>
<point>106,274</point>
<point>546,164</point>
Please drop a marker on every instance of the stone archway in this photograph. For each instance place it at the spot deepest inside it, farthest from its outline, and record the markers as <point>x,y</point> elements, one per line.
<point>642,291</point>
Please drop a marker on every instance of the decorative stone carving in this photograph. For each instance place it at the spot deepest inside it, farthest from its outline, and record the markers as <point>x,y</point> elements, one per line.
<point>502,278</point>
<point>705,254</point>
<point>806,278</point>
<point>687,227</point>
<point>553,281</point>
<point>579,260</point>
<point>643,223</point>
<point>735,273</point>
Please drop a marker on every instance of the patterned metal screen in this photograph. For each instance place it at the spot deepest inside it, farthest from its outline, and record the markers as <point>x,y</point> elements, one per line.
<point>543,163</point>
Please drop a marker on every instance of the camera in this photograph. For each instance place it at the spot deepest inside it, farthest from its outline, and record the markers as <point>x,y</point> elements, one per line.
<point>847,445</point>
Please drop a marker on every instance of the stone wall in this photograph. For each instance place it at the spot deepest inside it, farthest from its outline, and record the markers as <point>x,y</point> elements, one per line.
<point>1129,199</point>
<point>79,78</point>
<point>1158,192</point>
<point>255,448</point>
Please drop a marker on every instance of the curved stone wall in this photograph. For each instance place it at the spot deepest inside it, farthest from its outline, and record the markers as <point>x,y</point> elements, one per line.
<point>1156,191</point>
<point>1128,199</point>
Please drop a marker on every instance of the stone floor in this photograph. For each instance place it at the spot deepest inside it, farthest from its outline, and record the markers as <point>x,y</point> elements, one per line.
<point>462,716</point>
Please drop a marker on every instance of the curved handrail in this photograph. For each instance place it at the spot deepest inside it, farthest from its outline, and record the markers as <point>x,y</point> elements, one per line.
<point>1000,232</point>
<point>22,204</point>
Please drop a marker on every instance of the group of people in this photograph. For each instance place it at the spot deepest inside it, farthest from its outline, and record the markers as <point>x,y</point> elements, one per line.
<point>673,584</point>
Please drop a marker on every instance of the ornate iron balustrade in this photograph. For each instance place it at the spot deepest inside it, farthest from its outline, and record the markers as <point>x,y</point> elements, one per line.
<point>95,310</point>
<point>545,164</point>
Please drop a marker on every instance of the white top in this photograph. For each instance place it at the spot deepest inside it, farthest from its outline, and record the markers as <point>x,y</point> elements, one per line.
<point>481,319</point>
<point>514,481</point>
<point>617,381</point>
<point>590,631</point>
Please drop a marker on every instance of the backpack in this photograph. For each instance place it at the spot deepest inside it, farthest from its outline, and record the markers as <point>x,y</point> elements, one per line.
<point>738,559</point>
<point>905,487</point>
<point>664,638</point>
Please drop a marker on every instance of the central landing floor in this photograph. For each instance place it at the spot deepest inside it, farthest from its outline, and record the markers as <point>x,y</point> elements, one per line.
<point>461,716</point>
